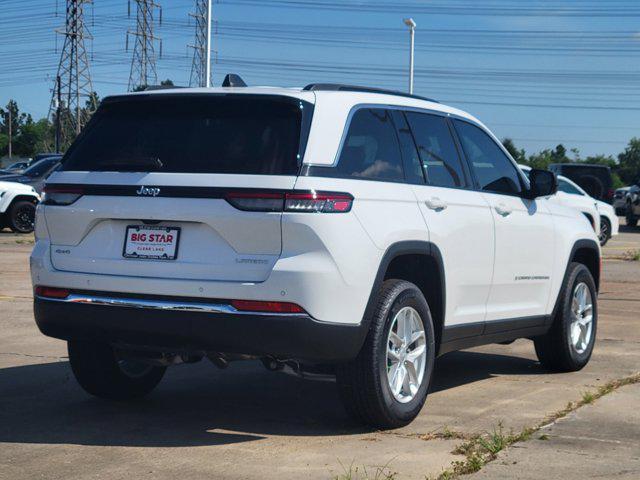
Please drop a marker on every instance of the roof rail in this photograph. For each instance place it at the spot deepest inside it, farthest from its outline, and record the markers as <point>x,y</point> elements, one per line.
<point>339,87</point>
<point>150,88</point>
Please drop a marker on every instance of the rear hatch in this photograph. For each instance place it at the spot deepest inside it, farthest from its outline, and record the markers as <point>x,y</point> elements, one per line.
<point>181,186</point>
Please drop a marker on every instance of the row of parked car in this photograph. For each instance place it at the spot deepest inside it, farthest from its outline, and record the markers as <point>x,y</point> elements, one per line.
<point>20,188</point>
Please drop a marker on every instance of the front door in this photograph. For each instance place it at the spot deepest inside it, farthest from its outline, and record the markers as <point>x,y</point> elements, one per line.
<point>458,218</point>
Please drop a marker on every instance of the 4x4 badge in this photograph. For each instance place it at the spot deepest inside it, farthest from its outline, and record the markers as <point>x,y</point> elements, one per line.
<point>151,191</point>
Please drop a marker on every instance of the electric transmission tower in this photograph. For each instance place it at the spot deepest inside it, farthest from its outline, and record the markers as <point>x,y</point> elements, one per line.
<point>73,99</point>
<point>199,66</point>
<point>143,63</point>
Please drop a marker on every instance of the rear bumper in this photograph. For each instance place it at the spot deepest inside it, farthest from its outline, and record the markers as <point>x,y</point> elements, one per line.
<point>210,327</point>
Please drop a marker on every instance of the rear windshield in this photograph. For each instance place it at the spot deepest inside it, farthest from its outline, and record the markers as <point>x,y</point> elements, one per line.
<point>243,134</point>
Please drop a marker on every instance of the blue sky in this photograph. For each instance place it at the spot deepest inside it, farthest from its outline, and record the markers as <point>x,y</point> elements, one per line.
<point>549,72</point>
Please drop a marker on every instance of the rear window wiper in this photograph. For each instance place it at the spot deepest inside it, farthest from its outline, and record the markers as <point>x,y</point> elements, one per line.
<point>133,164</point>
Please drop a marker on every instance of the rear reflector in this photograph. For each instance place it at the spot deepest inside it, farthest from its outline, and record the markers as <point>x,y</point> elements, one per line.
<point>272,307</point>
<point>319,202</point>
<point>61,195</point>
<point>51,292</point>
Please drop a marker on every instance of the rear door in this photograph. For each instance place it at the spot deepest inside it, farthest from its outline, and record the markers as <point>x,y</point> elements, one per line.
<point>458,219</point>
<point>524,232</point>
<point>168,186</point>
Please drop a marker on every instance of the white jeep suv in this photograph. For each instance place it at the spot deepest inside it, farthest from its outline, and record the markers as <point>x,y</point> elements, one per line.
<point>17,206</point>
<point>331,228</point>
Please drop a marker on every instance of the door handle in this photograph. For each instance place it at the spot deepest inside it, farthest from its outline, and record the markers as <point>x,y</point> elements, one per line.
<point>503,209</point>
<point>434,203</point>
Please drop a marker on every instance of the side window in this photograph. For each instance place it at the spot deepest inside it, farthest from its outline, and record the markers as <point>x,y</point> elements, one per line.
<point>493,169</point>
<point>566,187</point>
<point>437,150</point>
<point>371,150</point>
<point>410,158</point>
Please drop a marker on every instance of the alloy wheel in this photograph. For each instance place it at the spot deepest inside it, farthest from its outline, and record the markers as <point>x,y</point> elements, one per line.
<point>406,354</point>
<point>582,318</point>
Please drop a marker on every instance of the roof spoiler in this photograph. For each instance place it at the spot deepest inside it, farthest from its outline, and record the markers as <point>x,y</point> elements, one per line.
<point>233,80</point>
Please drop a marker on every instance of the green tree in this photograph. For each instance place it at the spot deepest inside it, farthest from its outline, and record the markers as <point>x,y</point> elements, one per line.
<point>519,156</point>
<point>35,137</point>
<point>629,162</point>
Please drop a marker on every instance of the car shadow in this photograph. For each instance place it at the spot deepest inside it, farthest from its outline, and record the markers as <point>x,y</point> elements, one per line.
<point>628,229</point>
<point>198,405</point>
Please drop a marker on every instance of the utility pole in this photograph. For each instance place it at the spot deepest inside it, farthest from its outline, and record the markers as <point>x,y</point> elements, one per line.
<point>143,64</point>
<point>58,113</point>
<point>73,80</point>
<point>412,29</point>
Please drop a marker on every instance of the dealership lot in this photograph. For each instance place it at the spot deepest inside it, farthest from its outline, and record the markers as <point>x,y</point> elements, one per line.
<point>245,422</point>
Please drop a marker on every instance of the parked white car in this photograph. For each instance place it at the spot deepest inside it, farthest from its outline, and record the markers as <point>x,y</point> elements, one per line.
<point>600,214</point>
<point>332,228</point>
<point>17,206</point>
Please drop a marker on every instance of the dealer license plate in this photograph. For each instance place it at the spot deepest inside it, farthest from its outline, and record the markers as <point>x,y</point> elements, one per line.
<point>151,242</point>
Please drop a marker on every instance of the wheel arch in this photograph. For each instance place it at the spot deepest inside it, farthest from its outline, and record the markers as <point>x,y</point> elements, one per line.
<point>20,197</point>
<point>586,252</point>
<point>418,262</point>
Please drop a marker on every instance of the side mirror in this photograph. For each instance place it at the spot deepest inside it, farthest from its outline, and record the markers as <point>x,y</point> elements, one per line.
<point>543,183</point>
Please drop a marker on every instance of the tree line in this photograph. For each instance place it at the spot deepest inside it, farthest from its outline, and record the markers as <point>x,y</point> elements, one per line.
<point>625,167</point>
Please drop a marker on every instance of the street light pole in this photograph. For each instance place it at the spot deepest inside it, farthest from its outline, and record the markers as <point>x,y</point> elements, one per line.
<point>412,29</point>
<point>208,67</point>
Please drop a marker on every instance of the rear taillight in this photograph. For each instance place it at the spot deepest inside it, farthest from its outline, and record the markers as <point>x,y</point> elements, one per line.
<point>51,292</point>
<point>313,202</point>
<point>268,307</point>
<point>256,201</point>
<point>61,195</point>
<point>319,202</point>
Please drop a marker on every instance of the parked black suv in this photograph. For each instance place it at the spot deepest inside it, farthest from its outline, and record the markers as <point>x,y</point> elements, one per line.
<point>594,179</point>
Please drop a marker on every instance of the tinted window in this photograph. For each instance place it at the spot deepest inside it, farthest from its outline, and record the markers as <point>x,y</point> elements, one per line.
<point>371,148</point>
<point>440,160</point>
<point>192,134</point>
<point>410,158</point>
<point>494,170</point>
<point>566,187</point>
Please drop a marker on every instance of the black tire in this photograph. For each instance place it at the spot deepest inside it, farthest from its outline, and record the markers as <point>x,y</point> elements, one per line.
<point>631,219</point>
<point>22,216</point>
<point>100,373</point>
<point>605,231</point>
<point>363,383</point>
<point>555,350</point>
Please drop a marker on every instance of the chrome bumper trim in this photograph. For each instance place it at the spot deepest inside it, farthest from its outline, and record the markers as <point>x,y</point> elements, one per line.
<point>166,305</point>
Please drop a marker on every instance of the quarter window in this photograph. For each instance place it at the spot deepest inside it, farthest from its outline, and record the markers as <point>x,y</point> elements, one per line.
<point>371,150</point>
<point>494,170</point>
<point>437,150</point>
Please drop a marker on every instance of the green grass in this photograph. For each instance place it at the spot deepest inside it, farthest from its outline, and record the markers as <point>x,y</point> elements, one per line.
<point>361,473</point>
<point>482,449</point>
<point>588,397</point>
